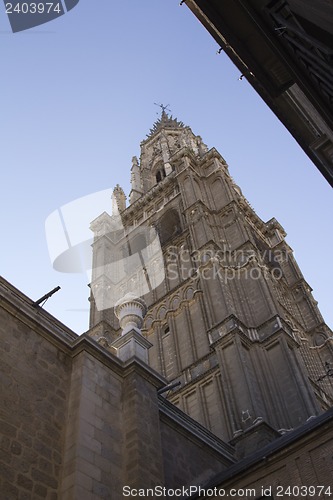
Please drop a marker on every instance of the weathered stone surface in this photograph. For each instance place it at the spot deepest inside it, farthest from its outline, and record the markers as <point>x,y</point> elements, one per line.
<point>79,423</point>
<point>31,433</point>
<point>229,278</point>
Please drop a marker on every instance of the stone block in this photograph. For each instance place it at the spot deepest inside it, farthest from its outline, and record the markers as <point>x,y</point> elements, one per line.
<point>89,469</point>
<point>132,344</point>
<point>45,479</point>
<point>9,491</point>
<point>25,482</point>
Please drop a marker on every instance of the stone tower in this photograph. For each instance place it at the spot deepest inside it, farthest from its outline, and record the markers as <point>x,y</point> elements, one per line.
<point>230,315</point>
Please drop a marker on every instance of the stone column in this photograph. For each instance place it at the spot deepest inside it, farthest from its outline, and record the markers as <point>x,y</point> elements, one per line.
<point>130,311</point>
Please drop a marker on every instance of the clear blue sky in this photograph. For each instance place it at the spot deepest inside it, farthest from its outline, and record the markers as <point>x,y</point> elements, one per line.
<point>78,98</point>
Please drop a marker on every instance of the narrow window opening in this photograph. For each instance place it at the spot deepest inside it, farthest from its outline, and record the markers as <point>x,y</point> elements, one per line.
<point>160,174</point>
<point>166,330</point>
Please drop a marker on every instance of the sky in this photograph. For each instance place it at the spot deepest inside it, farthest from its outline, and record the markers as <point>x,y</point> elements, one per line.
<point>77,99</point>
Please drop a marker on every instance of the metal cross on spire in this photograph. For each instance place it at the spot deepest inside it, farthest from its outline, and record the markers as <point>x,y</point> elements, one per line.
<point>163,107</point>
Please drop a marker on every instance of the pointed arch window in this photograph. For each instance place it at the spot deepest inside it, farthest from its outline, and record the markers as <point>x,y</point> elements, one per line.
<point>169,226</point>
<point>165,331</point>
<point>160,174</point>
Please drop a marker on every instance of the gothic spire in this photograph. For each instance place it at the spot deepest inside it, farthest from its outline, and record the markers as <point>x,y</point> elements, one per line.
<point>136,180</point>
<point>118,200</point>
<point>165,121</point>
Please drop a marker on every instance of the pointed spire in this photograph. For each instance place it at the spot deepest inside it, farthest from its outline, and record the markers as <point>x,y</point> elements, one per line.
<point>165,121</point>
<point>136,181</point>
<point>118,200</point>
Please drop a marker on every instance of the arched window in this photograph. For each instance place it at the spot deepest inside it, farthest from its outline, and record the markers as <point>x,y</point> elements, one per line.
<point>131,261</point>
<point>137,243</point>
<point>169,225</point>
<point>160,174</point>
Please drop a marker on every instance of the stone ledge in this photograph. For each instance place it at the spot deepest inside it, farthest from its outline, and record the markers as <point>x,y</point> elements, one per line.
<point>186,425</point>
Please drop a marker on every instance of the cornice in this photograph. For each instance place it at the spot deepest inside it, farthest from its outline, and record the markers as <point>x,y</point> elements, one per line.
<point>186,425</point>
<point>147,197</point>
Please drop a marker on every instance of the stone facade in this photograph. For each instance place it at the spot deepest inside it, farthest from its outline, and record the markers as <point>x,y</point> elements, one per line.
<point>35,376</point>
<point>297,465</point>
<point>207,363</point>
<point>232,318</point>
<point>77,423</point>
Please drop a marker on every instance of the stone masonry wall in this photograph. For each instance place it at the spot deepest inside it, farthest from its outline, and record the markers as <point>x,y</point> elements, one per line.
<point>93,448</point>
<point>34,380</point>
<point>301,469</point>
<point>77,423</point>
<point>186,462</point>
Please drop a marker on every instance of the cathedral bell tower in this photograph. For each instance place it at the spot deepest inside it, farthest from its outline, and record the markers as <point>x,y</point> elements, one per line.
<point>229,313</point>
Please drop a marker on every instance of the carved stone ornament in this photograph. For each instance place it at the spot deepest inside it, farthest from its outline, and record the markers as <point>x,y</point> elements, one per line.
<point>130,311</point>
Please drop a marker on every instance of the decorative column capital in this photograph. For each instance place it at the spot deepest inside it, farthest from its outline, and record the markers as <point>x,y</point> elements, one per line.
<point>130,310</point>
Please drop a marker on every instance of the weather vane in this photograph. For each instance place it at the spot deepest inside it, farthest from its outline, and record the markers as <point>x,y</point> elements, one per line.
<point>163,108</point>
